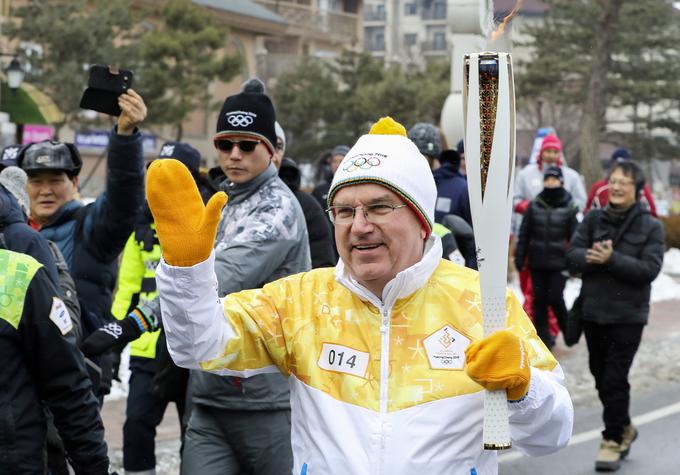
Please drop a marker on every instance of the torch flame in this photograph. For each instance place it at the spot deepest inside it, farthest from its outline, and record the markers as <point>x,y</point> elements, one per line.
<point>501,28</point>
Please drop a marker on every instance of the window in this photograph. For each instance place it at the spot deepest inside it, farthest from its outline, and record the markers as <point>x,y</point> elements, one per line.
<point>439,11</point>
<point>410,39</point>
<point>374,39</point>
<point>439,41</point>
<point>410,9</point>
<point>379,42</point>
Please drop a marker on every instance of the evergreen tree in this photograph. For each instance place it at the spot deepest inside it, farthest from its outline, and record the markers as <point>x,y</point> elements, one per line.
<point>61,39</point>
<point>178,58</point>
<point>322,104</point>
<point>619,56</point>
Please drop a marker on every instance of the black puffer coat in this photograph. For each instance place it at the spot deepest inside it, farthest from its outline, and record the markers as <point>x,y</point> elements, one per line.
<point>546,230</point>
<point>618,291</point>
<point>320,233</point>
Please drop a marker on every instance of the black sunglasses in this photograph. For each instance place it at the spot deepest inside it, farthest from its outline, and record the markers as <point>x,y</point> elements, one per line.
<point>244,145</point>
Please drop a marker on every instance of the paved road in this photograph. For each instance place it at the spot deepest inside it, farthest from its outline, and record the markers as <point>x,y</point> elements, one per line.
<point>657,449</point>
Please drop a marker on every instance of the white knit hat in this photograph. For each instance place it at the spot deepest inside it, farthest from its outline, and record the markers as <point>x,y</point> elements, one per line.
<point>385,156</point>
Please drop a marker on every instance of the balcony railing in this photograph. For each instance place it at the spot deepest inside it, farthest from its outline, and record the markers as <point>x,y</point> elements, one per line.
<point>436,12</point>
<point>375,15</point>
<point>339,24</point>
<point>374,45</point>
<point>434,46</point>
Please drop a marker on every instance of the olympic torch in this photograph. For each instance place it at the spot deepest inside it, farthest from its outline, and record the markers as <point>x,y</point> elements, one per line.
<point>489,116</point>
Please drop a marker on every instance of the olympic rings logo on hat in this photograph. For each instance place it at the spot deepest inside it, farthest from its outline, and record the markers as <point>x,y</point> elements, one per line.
<point>239,120</point>
<point>362,163</point>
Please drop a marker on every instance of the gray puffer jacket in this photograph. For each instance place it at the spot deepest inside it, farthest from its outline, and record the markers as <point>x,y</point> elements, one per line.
<point>262,237</point>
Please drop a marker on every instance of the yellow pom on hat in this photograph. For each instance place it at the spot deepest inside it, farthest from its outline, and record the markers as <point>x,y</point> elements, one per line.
<point>387,126</point>
<point>385,156</point>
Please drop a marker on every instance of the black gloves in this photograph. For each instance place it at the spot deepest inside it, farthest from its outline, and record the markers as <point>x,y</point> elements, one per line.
<point>116,335</point>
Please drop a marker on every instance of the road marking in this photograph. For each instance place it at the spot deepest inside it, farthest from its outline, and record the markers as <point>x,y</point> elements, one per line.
<point>597,433</point>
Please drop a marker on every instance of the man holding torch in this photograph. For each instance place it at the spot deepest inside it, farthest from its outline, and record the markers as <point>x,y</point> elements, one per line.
<point>385,354</point>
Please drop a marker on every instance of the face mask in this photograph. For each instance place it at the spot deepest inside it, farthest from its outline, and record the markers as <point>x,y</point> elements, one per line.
<point>553,194</point>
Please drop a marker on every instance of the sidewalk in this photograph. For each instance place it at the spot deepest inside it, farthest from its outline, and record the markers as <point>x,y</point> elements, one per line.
<point>167,437</point>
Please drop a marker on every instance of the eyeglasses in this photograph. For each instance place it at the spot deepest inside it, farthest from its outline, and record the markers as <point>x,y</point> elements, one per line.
<point>378,213</point>
<point>620,182</point>
<point>226,145</point>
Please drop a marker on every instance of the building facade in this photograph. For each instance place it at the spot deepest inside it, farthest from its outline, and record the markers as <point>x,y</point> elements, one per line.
<point>407,32</point>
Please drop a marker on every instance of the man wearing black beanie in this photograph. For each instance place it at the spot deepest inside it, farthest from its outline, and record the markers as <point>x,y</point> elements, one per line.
<point>243,425</point>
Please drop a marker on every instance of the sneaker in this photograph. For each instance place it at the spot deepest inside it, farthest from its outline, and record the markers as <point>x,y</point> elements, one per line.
<point>630,433</point>
<point>609,456</point>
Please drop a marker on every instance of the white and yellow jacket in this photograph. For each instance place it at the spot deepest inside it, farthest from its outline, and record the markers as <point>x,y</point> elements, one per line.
<point>377,386</point>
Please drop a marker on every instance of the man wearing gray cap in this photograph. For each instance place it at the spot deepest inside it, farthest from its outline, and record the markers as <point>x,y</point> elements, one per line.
<point>321,191</point>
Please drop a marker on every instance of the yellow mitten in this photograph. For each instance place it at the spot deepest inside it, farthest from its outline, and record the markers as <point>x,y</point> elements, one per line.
<point>186,228</point>
<point>500,361</point>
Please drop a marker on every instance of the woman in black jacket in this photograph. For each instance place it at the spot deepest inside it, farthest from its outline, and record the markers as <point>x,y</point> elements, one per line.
<point>619,251</point>
<point>544,235</point>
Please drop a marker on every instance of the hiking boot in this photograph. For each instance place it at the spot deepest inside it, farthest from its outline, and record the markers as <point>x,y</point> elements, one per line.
<point>630,433</point>
<point>609,456</point>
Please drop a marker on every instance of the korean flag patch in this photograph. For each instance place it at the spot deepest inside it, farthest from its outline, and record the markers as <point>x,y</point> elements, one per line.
<point>60,316</point>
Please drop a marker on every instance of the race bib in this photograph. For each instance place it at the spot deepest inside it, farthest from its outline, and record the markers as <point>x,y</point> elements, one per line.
<point>343,359</point>
<point>60,316</point>
<point>445,348</point>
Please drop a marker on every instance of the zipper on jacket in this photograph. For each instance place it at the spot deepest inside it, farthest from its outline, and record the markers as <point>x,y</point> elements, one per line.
<point>384,384</point>
<point>384,358</point>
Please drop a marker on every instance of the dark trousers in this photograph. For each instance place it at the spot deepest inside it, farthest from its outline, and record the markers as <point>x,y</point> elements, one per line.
<point>611,349</point>
<point>144,413</point>
<point>231,442</point>
<point>548,292</point>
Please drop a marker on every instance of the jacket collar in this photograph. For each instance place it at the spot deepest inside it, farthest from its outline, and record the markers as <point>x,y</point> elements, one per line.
<point>64,213</point>
<point>239,192</point>
<point>404,283</point>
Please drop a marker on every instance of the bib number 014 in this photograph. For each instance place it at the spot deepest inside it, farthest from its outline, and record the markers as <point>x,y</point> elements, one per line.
<point>343,359</point>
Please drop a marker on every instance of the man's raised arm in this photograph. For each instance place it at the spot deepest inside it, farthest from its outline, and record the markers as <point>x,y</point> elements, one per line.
<point>192,314</point>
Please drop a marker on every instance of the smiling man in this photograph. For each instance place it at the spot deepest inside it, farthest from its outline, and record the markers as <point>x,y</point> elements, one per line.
<point>384,354</point>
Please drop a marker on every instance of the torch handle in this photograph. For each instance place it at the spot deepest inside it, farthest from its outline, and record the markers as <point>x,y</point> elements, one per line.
<point>496,426</point>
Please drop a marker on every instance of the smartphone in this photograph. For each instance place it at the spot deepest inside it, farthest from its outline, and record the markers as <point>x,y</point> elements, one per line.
<point>104,85</point>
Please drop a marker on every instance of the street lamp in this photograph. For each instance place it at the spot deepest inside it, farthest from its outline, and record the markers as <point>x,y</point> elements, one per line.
<point>15,75</point>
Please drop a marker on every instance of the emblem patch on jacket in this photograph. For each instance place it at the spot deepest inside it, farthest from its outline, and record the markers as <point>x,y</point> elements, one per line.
<point>60,316</point>
<point>445,348</point>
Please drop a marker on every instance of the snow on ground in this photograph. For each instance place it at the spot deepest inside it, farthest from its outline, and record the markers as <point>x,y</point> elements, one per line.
<point>665,287</point>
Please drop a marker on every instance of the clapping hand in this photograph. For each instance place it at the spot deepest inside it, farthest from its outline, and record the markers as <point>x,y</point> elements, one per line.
<point>600,252</point>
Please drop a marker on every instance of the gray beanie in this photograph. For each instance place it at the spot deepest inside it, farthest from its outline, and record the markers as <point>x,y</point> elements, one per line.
<point>339,150</point>
<point>14,179</point>
<point>426,138</point>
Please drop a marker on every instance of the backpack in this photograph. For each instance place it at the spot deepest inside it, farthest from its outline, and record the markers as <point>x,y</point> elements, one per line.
<point>67,289</point>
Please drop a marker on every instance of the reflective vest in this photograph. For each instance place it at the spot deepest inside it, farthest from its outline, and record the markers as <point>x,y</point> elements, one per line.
<point>16,272</point>
<point>137,282</point>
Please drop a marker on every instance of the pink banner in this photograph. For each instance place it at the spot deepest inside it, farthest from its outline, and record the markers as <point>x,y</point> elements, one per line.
<point>37,133</point>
